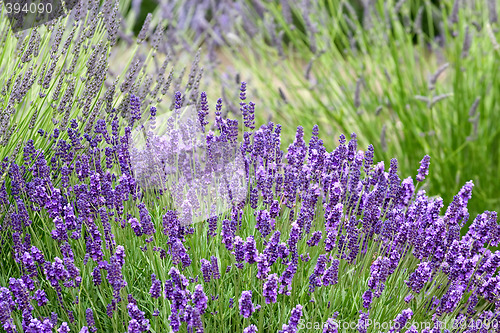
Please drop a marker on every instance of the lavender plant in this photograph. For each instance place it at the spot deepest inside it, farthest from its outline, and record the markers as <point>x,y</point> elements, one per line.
<point>67,69</point>
<point>322,238</point>
<point>411,76</point>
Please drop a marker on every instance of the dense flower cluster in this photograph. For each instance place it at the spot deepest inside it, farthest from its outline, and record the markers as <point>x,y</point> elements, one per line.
<point>317,216</point>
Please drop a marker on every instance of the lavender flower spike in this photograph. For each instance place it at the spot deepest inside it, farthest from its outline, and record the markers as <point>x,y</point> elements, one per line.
<point>424,168</point>
<point>291,327</point>
<point>401,320</point>
<point>251,329</point>
<point>246,305</point>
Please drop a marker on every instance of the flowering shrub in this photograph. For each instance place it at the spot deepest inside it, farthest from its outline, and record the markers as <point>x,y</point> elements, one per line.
<point>69,68</point>
<point>413,77</point>
<point>100,233</point>
<point>85,243</point>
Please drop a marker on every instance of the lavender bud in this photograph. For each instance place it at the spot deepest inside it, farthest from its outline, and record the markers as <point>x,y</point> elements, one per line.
<point>246,305</point>
<point>144,30</point>
<point>398,6</point>
<point>131,75</point>
<point>424,168</point>
<point>438,98</point>
<point>56,37</point>
<point>492,11</point>
<point>467,43</point>
<point>357,101</point>
<point>113,23</point>
<point>454,12</point>
<point>473,108</point>
<point>157,37</point>
<point>434,77</point>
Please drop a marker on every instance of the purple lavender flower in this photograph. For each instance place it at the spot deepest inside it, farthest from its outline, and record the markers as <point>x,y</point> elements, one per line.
<point>227,234</point>
<point>452,298</point>
<point>63,328</point>
<point>203,111</point>
<point>155,290</point>
<point>294,236</point>
<point>59,233</point>
<point>193,319</point>
<point>96,276</point>
<point>270,289</point>
<point>179,279</point>
<point>138,322</point>
<point>456,214</point>
<point>271,249</point>
<point>254,197</point>
<point>367,299</point>
<point>413,329</point>
<point>136,226</point>
<point>40,297</point>
<point>250,123</point>
<point>419,277</point>
<point>246,305</point>
<point>263,267</point>
<point>424,168</point>
<point>319,270</point>
<point>297,151</point>
<point>146,222</point>
<point>401,320</point>
<point>331,274</point>
<point>56,272</point>
<point>115,276</point>
<point>239,251</point>
<point>214,266</point>
<point>206,270</point>
<point>378,274</point>
<point>251,253</point>
<point>405,223</point>
<point>283,251</point>
<point>212,227</point>
<point>200,299</point>
<point>330,326</point>
<point>484,230</point>
<point>7,306</point>
<point>168,291</point>
<point>291,327</point>
<point>250,329</point>
<point>406,191</point>
<point>89,316</point>
<point>174,319</point>
<point>264,222</point>
<point>315,239</point>
<point>22,298</point>
<point>274,210</point>
<point>178,252</point>
<point>363,321</point>
<point>368,158</point>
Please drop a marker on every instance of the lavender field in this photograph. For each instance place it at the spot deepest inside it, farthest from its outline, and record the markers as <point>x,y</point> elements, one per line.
<point>249,166</point>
